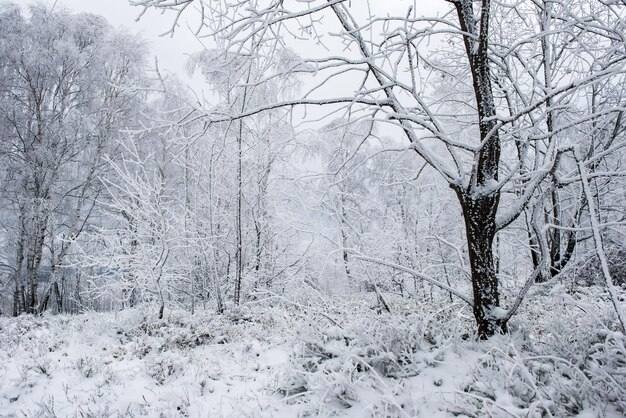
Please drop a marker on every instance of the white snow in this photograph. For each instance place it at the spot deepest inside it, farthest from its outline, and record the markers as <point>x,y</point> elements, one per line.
<point>277,361</point>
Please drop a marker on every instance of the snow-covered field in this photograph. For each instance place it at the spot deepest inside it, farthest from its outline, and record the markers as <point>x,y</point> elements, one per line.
<point>284,360</point>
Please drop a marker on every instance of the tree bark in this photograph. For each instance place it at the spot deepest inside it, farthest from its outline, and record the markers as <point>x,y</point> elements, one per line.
<point>480,199</point>
<point>19,303</point>
<point>238,226</point>
<point>480,229</point>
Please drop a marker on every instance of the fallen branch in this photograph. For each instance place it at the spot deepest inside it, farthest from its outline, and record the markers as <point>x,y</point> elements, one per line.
<point>417,274</point>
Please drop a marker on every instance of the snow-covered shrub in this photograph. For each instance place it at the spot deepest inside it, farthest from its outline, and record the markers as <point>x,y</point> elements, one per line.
<point>42,409</point>
<point>587,271</point>
<point>606,367</point>
<point>161,367</point>
<point>179,330</point>
<point>335,366</point>
<point>87,366</point>
<point>506,382</point>
<point>569,360</point>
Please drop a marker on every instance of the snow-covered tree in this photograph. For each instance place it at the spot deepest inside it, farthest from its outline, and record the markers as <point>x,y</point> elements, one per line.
<point>493,137</point>
<point>66,87</point>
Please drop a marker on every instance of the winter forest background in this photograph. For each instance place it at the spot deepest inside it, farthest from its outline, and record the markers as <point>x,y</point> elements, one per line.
<point>344,208</point>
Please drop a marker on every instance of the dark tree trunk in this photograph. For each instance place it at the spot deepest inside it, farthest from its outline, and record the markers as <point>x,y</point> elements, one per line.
<point>479,200</point>
<point>555,236</point>
<point>480,229</point>
<point>45,300</point>
<point>161,310</point>
<point>566,243</point>
<point>58,297</point>
<point>533,245</point>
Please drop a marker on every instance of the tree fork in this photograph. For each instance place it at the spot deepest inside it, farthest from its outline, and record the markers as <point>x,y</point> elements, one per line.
<point>480,200</point>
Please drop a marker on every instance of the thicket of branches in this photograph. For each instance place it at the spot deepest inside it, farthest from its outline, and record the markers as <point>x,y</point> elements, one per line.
<point>347,150</point>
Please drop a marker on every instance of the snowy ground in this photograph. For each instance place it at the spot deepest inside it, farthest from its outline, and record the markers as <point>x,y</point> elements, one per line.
<point>278,361</point>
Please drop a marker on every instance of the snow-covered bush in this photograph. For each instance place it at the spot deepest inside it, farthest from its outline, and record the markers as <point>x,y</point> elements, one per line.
<point>569,361</point>
<point>368,356</point>
<point>588,271</point>
<point>87,366</point>
<point>314,356</point>
<point>161,367</point>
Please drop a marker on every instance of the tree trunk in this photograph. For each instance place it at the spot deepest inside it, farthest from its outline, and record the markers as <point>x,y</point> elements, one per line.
<point>31,271</point>
<point>57,296</point>
<point>535,255</point>
<point>238,226</point>
<point>480,229</point>
<point>344,242</point>
<point>238,223</point>
<point>19,300</point>
<point>479,201</point>
<point>45,300</point>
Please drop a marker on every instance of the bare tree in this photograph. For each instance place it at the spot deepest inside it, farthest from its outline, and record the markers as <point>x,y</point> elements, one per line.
<point>483,144</point>
<point>64,92</point>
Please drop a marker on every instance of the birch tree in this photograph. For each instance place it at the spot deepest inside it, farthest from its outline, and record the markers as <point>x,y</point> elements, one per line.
<point>65,88</point>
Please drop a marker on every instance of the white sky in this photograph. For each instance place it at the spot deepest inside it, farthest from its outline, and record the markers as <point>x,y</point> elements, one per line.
<point>171,52</point>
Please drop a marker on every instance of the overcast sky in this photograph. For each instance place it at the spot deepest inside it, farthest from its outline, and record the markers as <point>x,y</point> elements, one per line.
<point>171,52</point>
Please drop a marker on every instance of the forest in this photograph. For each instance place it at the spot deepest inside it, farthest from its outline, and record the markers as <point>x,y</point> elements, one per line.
<point>369,209</point>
